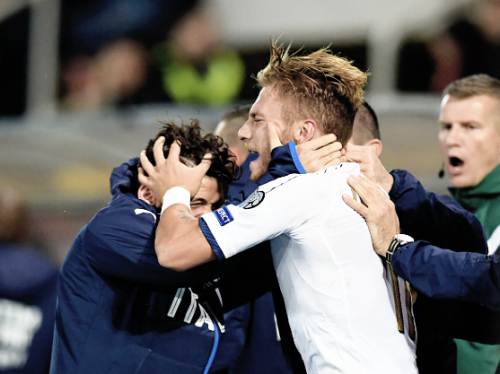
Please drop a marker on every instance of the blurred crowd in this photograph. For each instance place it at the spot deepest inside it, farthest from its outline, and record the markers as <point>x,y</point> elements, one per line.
<point>120,53</point>
<point>468,43</point>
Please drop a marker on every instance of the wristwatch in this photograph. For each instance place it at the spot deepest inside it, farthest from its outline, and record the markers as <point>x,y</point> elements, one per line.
<point>398,241</point>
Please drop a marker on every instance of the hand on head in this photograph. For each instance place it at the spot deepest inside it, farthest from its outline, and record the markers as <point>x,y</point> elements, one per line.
<point>377,209</point>
<point>314,155</point>
<point>171,172</point>
<point>370,164</point>
<point>320,153</point>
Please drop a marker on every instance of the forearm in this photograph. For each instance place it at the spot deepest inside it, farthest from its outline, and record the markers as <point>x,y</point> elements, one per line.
<point>179,243</point>
<point>442,273</point>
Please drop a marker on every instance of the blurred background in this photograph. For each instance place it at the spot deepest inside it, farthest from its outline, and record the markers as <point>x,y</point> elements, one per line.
<point>83,82</point>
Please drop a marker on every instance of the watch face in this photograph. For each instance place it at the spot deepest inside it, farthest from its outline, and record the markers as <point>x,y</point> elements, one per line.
<point>404,239</point>
<point>398,241</point>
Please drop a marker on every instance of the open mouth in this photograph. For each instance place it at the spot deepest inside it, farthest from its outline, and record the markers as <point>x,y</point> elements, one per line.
<point>455,161</point>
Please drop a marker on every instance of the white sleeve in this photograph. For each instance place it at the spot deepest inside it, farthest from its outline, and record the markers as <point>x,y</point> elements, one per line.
<point>268,212</point>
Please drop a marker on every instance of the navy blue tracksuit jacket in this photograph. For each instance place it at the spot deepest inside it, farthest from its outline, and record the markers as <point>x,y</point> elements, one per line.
<point>118,310</point>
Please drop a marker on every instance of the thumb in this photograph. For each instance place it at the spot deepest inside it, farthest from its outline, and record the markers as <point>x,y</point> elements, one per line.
<point>274,139</point>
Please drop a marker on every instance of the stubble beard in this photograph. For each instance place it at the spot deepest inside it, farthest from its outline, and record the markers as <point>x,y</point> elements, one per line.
<point>259,167</point>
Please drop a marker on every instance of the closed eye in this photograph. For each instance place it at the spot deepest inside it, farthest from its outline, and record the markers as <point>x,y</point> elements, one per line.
<point>198,203</point>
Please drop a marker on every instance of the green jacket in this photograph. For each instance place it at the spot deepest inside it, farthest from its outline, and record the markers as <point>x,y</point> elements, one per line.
<point>483,201</point>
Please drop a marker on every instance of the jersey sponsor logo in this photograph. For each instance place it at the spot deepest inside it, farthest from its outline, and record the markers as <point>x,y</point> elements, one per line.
<point>253,200</point>
<point>224,216</point>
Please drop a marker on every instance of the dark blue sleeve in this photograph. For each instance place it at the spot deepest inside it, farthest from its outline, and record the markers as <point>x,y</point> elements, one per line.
<point>120,243</point>
<point>442,273</point>
<point>285,161</point>
<point>438,219</point>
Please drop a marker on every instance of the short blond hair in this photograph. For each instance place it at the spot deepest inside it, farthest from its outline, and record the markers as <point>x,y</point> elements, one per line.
<point>320,86</point>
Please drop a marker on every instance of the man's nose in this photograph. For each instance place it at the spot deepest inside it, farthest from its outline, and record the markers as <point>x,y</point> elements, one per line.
<point>244,132</point>
<point>454,136</point>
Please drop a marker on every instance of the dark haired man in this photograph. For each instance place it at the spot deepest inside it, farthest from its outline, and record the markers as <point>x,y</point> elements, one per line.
<point>227,129</point>
<point>366,128</point>
<point>118,310</point>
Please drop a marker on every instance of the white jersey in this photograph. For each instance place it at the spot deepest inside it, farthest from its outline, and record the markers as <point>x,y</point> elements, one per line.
<point>332,281</point>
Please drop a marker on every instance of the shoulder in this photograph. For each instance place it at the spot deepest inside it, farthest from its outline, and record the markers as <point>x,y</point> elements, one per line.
<point>124,214</point>
<point>343,170</point>
<point>333,176</point>
<point>317,180</point>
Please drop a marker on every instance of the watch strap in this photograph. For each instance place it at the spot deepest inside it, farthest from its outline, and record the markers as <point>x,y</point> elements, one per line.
<point>393,247</point>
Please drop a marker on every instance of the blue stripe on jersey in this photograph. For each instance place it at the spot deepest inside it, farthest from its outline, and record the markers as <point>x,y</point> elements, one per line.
<point>295,157</point>
<point>211,240</point>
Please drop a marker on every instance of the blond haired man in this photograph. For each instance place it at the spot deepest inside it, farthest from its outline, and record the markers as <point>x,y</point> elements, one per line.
<point>337,302</point>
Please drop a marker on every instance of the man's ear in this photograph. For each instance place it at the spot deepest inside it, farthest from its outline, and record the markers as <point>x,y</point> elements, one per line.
<point>376,145</point>
<point>305,131</point>
<point>145,194</point>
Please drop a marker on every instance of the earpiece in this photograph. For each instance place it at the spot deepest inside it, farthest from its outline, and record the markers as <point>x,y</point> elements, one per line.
<point>441,172</point>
